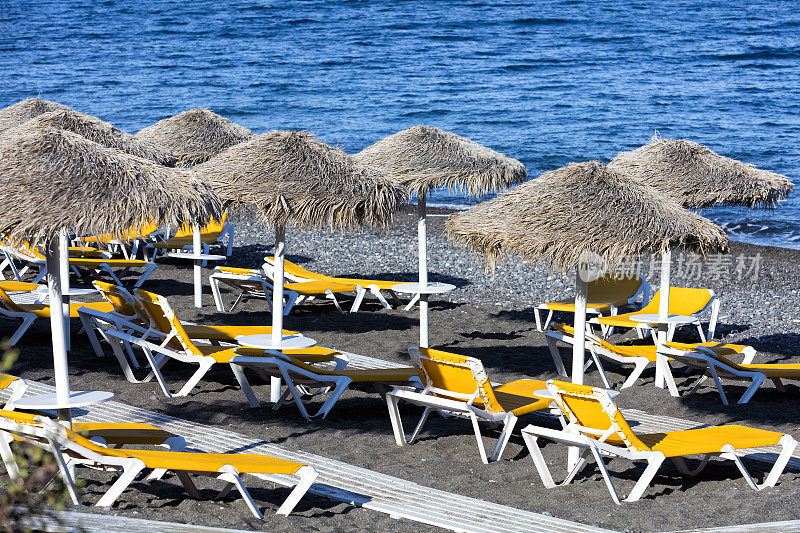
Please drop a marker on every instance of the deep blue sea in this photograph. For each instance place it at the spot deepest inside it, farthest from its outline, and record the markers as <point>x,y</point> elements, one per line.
<point>547,82</point>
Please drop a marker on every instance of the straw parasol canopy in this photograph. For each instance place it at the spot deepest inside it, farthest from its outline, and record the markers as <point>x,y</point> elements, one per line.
<point>583,207</point>
<point>293,177</point>
<point>24,110</point>
<point>98,131</point>
<point>698,177</point>
<point>196,135</point>
<point>424,158</point>
<point>53,179</point>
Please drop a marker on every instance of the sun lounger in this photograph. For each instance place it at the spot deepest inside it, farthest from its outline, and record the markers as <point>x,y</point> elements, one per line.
<point>716,364</point>
<point>376,287</point>
<point>641,356</point>
<point>255,284</point>
<point>28,313</point>
<point>605,296</point>
<point>132,238</point>
<point>71,449</point>
<point>682,301</point>
<point>458,385</point>
<point>595,425</point>
<point>213,234</point>
<point>97,265</point>
<point>18,387</point>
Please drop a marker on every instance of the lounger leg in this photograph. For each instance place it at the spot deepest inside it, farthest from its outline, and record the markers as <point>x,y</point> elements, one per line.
<point>604,472</point>
<point>196,377</point>
<point>538,460</point>
<point>238,372</point>
<point>394,416</point>
<point>66,473</point>
<point>229,474</point>
<point>188,484</point>
<point>712,322</point>
<point>778,384</point>
<point>88,327</point>
<point>599,366</point>
<point>636,374</point>
<point>238,300</point>
<point>719,384</point>
<point>505,435</point>
<point>697,384</point>
<point>360,292</point>
<point>789,444</point>
<point>551,343</point>
<point>537,314</point>
<point>411,303</point>
<point>479,438</point>
<point>341,386</point>
<point>307,476</point>
<point>27,322</point>
<point>129,473</point>
<point>291,299</point>
<point>670,379</point>
<point>653,464</point>
<point>217,295</point>
<point>18,389</point>
<point>751,390</point>
<point>12,468</point>
<point>147,271</point>
<point>376,292</point>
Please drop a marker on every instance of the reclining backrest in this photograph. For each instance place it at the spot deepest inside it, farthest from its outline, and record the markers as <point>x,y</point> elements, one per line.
<point>591,337</point>
<point>124,303</point>
<point>612,288</point>
<point>6,381</point>
<point>455,376</point>
<point>7,303</point>
<point>595,412</point>
<point>294,269</point>
<point>682,301</point>
<point>213,228</point>
<point>163,319</point>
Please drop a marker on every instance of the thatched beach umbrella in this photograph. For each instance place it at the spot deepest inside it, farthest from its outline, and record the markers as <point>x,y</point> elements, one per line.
<point>99,131</point>
<point>424,159</point>
<point>698,177</point>
<point>292,178</point>
<point>55,181</point>
<point>578,212</point>
<point>24,110</point>
<point>196,135</point>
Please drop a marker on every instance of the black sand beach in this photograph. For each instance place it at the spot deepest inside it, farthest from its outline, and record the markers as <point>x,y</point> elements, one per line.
<point>488,317</point>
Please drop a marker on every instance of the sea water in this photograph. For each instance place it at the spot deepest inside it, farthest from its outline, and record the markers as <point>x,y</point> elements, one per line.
<point>547,82</point>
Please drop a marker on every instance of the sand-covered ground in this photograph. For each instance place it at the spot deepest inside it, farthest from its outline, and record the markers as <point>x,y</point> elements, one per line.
<point>489,317</point>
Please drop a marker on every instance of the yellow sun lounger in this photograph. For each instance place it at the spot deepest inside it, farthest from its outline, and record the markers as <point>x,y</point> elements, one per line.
<point>28,313</point>
<point>605,296</point>
<point>682,301</point>
<point>255,284</point>
<point>71,449</point>
<point>595,425</point>
<point>32,256</point>
<point>641,356</point>
<point>458,385</point>
<point>132,238</point>
<point>374,286</point>
<point>717,365</point>
<point>214,233</point>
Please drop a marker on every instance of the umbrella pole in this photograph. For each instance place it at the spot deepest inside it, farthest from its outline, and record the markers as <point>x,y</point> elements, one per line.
<point>198,269</point>
<point>277,303</point>
<point>578,348</point>
<point>64,266</point>
<point>422,239</point>
<point>54,280</point>
<point>663,312</point>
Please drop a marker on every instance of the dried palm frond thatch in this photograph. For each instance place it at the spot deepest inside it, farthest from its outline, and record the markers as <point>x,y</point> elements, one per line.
<point>291,177</point>
<point>424,158</point>
<point>581,208</point>
<point>24,110</point>
<point>196,135</point>
<point>98,131</point>
<point>698,177</point>
<point>53,179</point>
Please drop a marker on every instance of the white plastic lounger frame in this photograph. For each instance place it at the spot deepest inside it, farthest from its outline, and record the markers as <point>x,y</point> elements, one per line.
<point>574,434</point>
<point>643,291</point>
<point>596,351</point>
<point>256,285</point>
<point>456,404</point>
<point>130,468</point>
<point>704,359</point>
<point>225,240</point>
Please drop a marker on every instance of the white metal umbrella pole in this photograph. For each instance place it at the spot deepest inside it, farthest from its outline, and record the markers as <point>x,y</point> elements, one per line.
<point>198,266</point>
<point>578,347</point>
<point>54,285</point>
<point>63,244</point>
<point>663,312</point>
<point>422,239</point>
<point>277,303</point>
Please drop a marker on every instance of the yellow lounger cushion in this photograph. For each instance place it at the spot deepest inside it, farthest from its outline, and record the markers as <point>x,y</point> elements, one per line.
<point>242,271</point>
<point>11,286</point>
<point>517,396</point>
<point>708,440</point>
<point>318,287</point>
<point>43,311</point>
<point>121,263</point>
<point>123,433</point>
<point>6,381</point>
<point>296,270</point>
<point>568,305</point>
<point>682,301</point>
<point>771,370</point>
<point>245,463</point>
<point>226,333</point>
